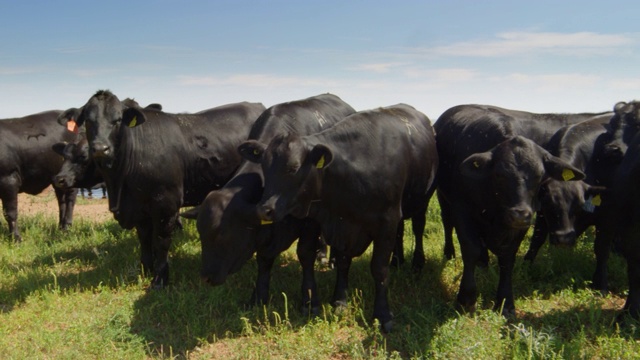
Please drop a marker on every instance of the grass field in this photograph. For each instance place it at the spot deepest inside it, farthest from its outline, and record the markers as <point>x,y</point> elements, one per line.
<point>79,295</point>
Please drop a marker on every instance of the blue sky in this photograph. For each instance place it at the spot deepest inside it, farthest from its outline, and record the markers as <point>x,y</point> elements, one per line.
<point>541,56</point>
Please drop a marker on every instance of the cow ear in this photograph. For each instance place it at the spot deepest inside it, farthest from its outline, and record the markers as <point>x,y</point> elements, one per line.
<point>252,150</point>
<point>154,106</point>
<point>477,166</point>
<point>132,117</point>
<point>619,107</point>
<point>321,156</point>
<point>71,119</point>
<point>561,170</point>
<point>59,147</point>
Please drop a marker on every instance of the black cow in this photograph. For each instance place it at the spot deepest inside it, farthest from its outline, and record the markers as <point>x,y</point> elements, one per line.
<point>27,164</point>
<point>488,179</point>
<point>228,224</point>
<point>154,163</point>
<point>358,179</point>
<point>626,215</point>
<point>78,169</point>
<point>537,127</point>
<point>568,208</point>
<point>624,125</point>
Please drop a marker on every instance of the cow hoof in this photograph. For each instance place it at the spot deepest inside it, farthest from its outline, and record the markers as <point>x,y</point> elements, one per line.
<point>387,327</point>
<point>17,238</point>
<point>310,310</point>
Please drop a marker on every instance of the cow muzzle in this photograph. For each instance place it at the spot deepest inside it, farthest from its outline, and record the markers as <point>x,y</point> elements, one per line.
<point>519,218</point>
<point>62,182</point>
<point>563,238</point>
<point>101,150</point>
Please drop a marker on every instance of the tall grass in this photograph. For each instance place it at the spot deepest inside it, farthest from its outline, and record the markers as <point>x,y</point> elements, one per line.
<point>78,294</point>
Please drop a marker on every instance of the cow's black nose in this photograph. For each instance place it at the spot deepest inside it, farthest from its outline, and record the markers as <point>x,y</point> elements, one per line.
<point>520,217</point>
<point>614,151</point>
<point>563,238</point>
<point>100,150</point>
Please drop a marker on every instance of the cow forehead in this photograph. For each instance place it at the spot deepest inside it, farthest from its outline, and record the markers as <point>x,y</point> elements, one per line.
<point>519,156</point>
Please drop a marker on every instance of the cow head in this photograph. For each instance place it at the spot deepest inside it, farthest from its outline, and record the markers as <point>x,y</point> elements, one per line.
<point>624,124</point>
<point>514,171</point>
<point>102,116</point>
<point>228,238</point>
<point>563,203</point>
<point>292,171</point>
<point>78,170</point>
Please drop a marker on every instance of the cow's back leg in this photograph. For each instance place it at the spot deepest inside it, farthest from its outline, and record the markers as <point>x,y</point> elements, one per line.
<point>9,185</point>
<point>418,222</point>
<point>447,224</point>
<point>397,258</point>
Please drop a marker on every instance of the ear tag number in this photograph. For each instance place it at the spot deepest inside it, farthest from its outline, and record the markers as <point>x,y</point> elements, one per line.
<point>567,174</point>
<point>133,122</point>
<point>320,163</point>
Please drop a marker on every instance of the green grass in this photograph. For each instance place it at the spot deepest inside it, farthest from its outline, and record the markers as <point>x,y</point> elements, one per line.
<point>79,295</point>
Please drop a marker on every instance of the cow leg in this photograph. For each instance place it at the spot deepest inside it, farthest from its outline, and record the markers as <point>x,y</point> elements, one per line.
<point>382,249</point>
<point>472,253</point>
<point>260,294</point>
<point>343,263</point>
<point>418,221</point>
<point>602,249</point>
<point>447,224</point>
<point>538,238</point>
<point>163,230</point>
<point>144,231</point>
<point>397,258</point>
<point>504,297</point>
<point>10,212</point>
<point>66,203</point>
<point>632,305</point>
<point>308,245</point>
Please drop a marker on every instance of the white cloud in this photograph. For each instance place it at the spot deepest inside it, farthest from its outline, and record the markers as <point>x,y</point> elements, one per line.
<point>519,43</point>
<point>253,80</point>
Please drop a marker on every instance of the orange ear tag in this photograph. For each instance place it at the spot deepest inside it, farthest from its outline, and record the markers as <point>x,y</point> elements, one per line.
<point>72,126</point>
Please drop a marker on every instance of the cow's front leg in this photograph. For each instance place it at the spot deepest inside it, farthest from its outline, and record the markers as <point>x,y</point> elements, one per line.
<point>504,296</point>
<point>66,203</point>
<point>145,231</point>
<point>260,294</point>
<point>163,230</point>
<point>308,246</point>
<point>382,248</point>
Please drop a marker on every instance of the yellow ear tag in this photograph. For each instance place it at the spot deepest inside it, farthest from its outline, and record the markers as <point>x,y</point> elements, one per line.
<point>265,222</point>
<point>597,200</point>
<point>567,174</point>
<point>133,122</point>
<point>476,164</point>
<point>320,163</point>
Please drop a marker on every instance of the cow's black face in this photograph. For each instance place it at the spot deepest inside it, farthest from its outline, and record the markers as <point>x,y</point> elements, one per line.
<point>291,183</point>
<point>75,164</point>
<point>514,170</point>
<point>623,126</point>
<point>561,203</point>
<point>227,238</point>
<point>102,116</point>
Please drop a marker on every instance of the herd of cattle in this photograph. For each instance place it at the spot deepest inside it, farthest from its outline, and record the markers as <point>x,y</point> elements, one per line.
<point>317,171</point>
